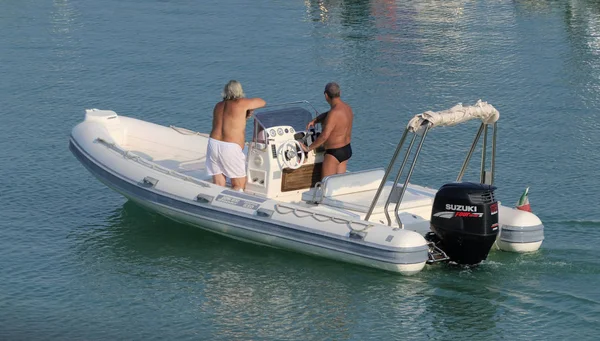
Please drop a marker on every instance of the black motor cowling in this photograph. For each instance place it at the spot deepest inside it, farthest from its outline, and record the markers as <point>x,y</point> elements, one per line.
<point>464,219</point>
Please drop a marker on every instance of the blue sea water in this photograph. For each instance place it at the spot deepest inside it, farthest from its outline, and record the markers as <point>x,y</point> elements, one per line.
<point>79,262</point>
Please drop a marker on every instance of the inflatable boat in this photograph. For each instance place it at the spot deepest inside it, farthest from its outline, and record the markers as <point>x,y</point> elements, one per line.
<point>366,217</point>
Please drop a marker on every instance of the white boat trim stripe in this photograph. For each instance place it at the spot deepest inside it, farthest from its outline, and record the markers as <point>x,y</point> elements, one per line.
<point>522,234</point>
<point>243,196</point>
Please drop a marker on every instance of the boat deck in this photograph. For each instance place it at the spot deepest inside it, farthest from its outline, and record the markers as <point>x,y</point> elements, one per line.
<point>185,161</point>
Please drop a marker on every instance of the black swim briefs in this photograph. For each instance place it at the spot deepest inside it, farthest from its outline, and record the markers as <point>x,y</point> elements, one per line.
<point>341,154</point>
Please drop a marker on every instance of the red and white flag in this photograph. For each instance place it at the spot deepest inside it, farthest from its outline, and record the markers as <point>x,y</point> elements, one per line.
<point>523,203</point>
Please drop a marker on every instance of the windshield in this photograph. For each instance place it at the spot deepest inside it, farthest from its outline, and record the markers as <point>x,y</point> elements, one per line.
<point>296,117</point>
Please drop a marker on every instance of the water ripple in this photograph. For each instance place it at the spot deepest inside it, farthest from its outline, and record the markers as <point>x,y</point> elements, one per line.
<point>79,262</point>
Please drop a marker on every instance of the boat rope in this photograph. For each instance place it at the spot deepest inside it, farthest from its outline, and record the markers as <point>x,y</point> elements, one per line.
<point>496,246</point>
<point>185,131</point>
<point>320,217</point>
<point>136,158</point>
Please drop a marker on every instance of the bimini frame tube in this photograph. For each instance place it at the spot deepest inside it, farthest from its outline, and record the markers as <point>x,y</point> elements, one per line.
<point>397,178</point>
<point>483,128</point>
<point>494,134</point>
<point>410,171</point>
<point>387,172</point>
<point>470,154</point>
<point>483,154</point>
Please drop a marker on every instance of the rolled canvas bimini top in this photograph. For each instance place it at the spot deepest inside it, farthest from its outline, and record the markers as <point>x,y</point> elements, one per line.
<point>455,115</point>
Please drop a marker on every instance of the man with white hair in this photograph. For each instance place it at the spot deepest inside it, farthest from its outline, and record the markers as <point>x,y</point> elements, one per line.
<point>224,155</point>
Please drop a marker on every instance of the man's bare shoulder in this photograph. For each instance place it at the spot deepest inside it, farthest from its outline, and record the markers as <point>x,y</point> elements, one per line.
<point>345,108</point>
<point>340,109</point>
<point>220,104</point>
<point>219,107</point>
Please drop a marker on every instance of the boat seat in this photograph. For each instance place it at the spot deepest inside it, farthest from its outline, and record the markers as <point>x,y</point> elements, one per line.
<point>355,191</point>
<point>345,183</point>
<point>351,182</point>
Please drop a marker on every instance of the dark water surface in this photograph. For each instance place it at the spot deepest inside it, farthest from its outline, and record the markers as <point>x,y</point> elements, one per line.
<point>79,262</point>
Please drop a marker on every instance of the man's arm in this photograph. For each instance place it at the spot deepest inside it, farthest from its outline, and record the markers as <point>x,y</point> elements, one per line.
<point>317,119</point>
<point>321,118</point>
<point>329,127</point>
<point>253,103</point>
<point>216,110</point>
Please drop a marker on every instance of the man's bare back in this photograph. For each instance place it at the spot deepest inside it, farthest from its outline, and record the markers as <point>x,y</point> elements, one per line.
<point>229,119</point>
<point>338,123</point>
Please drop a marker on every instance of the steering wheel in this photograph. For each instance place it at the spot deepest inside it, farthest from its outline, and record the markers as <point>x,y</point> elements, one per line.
<point>292,154</point>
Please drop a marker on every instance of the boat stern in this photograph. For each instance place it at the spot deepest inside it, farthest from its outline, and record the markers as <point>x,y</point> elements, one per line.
<point>397,250</point>
<point>520,231</point>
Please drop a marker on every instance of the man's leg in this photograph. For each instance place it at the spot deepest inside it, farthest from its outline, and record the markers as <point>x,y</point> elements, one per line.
<point>330,165</point>
<point>233,162</point>
<point>341,168</point>
<point>238,183</point>
<point>219,179</point>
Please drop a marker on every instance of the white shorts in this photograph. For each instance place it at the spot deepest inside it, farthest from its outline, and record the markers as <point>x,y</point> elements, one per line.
<point>225,158</point>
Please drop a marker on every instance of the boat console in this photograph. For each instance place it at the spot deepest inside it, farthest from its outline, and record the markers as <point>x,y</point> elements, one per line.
<point>276,164</point>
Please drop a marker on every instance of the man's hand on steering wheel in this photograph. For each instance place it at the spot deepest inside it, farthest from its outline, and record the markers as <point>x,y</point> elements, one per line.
<point>304,147</point>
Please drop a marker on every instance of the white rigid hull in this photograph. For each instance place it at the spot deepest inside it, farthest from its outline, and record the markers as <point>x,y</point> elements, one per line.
<point>97,143</point>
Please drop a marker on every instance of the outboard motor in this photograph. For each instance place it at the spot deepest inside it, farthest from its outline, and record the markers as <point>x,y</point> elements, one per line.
<point>464,221</point>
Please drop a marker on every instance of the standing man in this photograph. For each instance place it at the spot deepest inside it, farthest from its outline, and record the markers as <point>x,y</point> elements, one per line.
<point>336,134</point>
<point>224,155</point>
